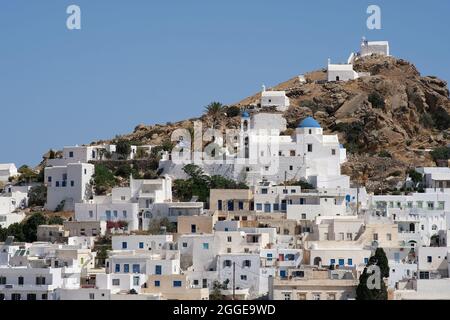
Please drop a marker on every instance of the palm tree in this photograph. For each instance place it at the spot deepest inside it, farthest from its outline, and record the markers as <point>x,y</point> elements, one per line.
<point>214,110</point>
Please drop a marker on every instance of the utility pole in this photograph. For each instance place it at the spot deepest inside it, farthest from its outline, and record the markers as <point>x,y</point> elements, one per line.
<point>234,280</point>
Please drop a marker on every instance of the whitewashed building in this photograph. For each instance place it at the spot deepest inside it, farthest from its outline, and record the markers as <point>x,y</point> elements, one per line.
<point>276,99</point>
<point>67,185</point>
<point>7,170</point>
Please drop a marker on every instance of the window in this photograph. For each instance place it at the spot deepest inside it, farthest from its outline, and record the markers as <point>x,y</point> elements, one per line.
<point>430,205</point>
<point>304,216</point>
<point>16,296</point>
<point>332,262</point>
<point>228,239</point>
<point>57,184</point>
<point>259,206</point>
<point>247,263</point>
<point>141,245</point>
<point>424,275</point>
<point>158,269</point>
<point>157,283</point>
<point>136,281</point>
<point>136,268</point>
<point>184,244</point>
<point>219,204</point>
<point>264,191</point>
<point>71,154</point>
<point>244,277</point>
<point>117,269</point>
<point>349,236</point>
<point>419,204</point>
<point>350,262</point>
<point>20,281</point>
<point>44,296</point>
<point>230,205</point>
<point>91,214</point>
<point>124,213</point>
<point>116,282</point>
<point>375,236</point>
<point>389,237</point>
<point>276,206</point>
<point>92,296</point>
<point>205,246</point>
<point>291,168</point>
<point>269,257</point>
<point>441,205</point>
<point>2,280</point>
<point>108,214</point>
<point>72,183</point>
<point>126,268</point>
<point>115,213</point>
<point>193,228</point>
<point>287,296</point>
<point>49,179</point>
<point>227,263</point>
<point>310,147</point>
<point>333,152</point>
<point>124,245</point>
<point>40,280</point>
<point>429,259</point>
<point>366,260</point>
<point>177,284</point>
<point>241,205</point>
<point>341,262</point>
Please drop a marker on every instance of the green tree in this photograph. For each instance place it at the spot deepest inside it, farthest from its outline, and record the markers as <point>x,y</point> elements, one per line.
<point>30,226</point>
<point>37,196</point>
<point>55,220</point>
<point>215,111</point>
<point>382,261</point>
<point>27,175</point>
<point>123,148</point>
<point>441,153</point>
<point>232,111</point>
<point>103,178</point>
<point>216,292</point>
<point>156,226</point>
<point>415,176</point>
<point>363,292</point>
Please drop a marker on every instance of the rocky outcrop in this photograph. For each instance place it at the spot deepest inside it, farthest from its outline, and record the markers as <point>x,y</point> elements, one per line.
<point>395,112</point>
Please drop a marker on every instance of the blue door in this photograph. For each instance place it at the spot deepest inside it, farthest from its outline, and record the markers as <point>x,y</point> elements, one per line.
<point>267,207</point>
<point>341,262</point>
<point>283,273</point>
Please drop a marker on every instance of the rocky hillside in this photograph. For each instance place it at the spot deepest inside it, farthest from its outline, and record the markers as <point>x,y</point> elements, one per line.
<point>388,121</point>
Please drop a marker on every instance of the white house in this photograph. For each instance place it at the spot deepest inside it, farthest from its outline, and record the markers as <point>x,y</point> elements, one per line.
<point>276,99</point>
<point>141,242</point>
<point>435,179</point>
<point>7,170</point>
<point>67,185</point>
<point>374,47</point>
<point>341,72</point>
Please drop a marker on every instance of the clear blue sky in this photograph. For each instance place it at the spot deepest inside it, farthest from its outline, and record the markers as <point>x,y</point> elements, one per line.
<point>157,61</point>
